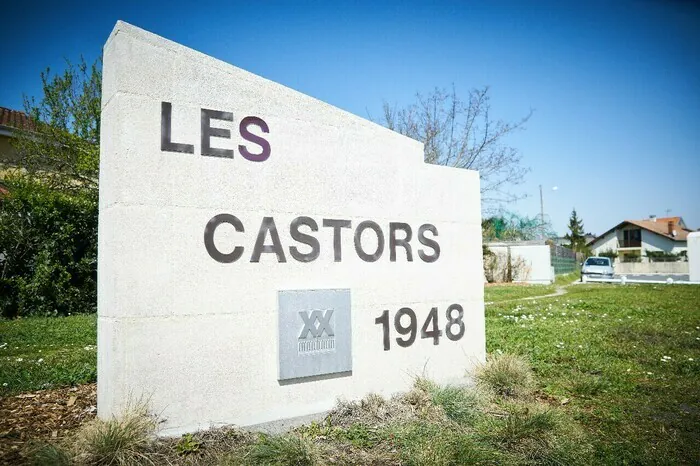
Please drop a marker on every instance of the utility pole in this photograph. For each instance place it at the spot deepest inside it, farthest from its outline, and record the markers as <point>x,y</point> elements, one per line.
<point>541,214</point>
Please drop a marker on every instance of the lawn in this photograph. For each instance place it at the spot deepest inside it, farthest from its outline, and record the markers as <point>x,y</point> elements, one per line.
<point>495,293</point>
<point>500,293</point>
<point>617,381</point>
<point>37,353</point>
<point>624,359</point>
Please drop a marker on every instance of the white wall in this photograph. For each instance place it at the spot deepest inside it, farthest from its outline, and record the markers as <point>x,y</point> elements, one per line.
<point>653,242</point>
<point>607,242</point>
<point>679,246</point>
<point>536,259</point>
<point>679,267</point>
<point>200,337</point>
<point>694,256</point>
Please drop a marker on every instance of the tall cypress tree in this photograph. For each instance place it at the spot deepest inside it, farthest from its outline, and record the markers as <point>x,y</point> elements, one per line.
<point>577,241</point>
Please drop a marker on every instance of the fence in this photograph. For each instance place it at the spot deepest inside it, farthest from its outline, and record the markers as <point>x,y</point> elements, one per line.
<point>564,260</point>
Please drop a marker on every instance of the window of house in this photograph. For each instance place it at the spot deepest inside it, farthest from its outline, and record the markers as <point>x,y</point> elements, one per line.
<point>632,238</point>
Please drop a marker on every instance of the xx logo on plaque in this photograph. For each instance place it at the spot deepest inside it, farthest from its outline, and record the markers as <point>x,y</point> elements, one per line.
<point>314,333</point>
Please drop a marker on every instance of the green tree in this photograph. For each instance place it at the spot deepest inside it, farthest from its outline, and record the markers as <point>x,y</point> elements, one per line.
<point>510,226</point>
<point>577,240</point>
<point>48,220</point>
<point>61,148</point>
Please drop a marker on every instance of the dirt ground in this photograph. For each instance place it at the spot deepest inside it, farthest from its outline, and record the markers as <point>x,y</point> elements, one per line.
<point>42,416</point>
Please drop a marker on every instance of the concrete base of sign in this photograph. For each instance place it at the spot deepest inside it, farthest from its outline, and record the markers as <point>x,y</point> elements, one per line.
<point>285,425</point>
<point>218,190</point>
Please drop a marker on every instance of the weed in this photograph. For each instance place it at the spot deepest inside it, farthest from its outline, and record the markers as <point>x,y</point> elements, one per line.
<point>188,444</point>
<point>362,436</point>
<point>506,375</point>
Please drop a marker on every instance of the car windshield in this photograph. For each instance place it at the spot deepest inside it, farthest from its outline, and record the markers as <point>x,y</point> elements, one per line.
<point>597,261</point>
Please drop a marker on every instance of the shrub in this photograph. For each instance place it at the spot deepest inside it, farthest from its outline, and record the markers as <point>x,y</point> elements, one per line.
<point>663,256</point>
<point>631,257</point>
<point>608,253</point>
<point>49,243</point>
<point>506,375</point>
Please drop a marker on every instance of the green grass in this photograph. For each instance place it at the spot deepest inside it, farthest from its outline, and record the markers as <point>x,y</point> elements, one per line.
<point>625,359</point>
<point>511,291</point>
<point>37,353</point>
<point>567,279</point>
<point>616,381</point>
<point>499,293</point>
<point>283,450</point>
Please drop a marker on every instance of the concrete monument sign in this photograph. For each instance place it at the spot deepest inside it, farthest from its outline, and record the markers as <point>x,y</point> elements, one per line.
<point>694,256</point>
<point>262,253</point>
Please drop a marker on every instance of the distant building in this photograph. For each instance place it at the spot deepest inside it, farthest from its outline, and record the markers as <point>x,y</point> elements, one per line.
<point>10,122</point>
<point>634,238</point>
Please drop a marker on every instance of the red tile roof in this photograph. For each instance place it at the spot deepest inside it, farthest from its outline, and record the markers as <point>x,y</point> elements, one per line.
<point>14,118</point>
<point>661,227</point>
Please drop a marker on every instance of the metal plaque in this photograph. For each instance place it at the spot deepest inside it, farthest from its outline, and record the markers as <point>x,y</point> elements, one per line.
<point>315,336</point>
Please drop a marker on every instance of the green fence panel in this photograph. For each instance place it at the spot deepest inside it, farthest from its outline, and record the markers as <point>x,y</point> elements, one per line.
<point>563,260</point>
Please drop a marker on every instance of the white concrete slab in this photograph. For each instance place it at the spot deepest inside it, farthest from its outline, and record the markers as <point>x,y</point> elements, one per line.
<point>198,336</point>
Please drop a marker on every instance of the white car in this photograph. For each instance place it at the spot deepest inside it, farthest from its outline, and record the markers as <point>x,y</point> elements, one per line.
<point>597,267</point>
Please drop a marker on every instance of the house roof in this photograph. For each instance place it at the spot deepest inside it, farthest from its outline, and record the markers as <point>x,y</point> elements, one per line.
<point>14,119</point>
<point>665,220</point>
<point>658,226</point>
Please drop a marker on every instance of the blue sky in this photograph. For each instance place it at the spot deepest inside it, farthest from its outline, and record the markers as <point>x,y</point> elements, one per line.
<point>615,86</point>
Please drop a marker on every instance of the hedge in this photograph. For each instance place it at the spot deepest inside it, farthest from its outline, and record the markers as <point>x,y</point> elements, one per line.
<point>49,242</point>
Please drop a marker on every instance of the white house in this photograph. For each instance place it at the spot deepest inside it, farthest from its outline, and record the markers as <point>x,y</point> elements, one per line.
<point>633,239</point>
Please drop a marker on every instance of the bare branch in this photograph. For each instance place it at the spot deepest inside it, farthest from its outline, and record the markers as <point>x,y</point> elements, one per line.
<point>462,134</point>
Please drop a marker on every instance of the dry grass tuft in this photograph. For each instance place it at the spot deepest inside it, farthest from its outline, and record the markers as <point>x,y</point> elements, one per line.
<point>124,440</point>
<point>375,410</point>
<point>506,375</point>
